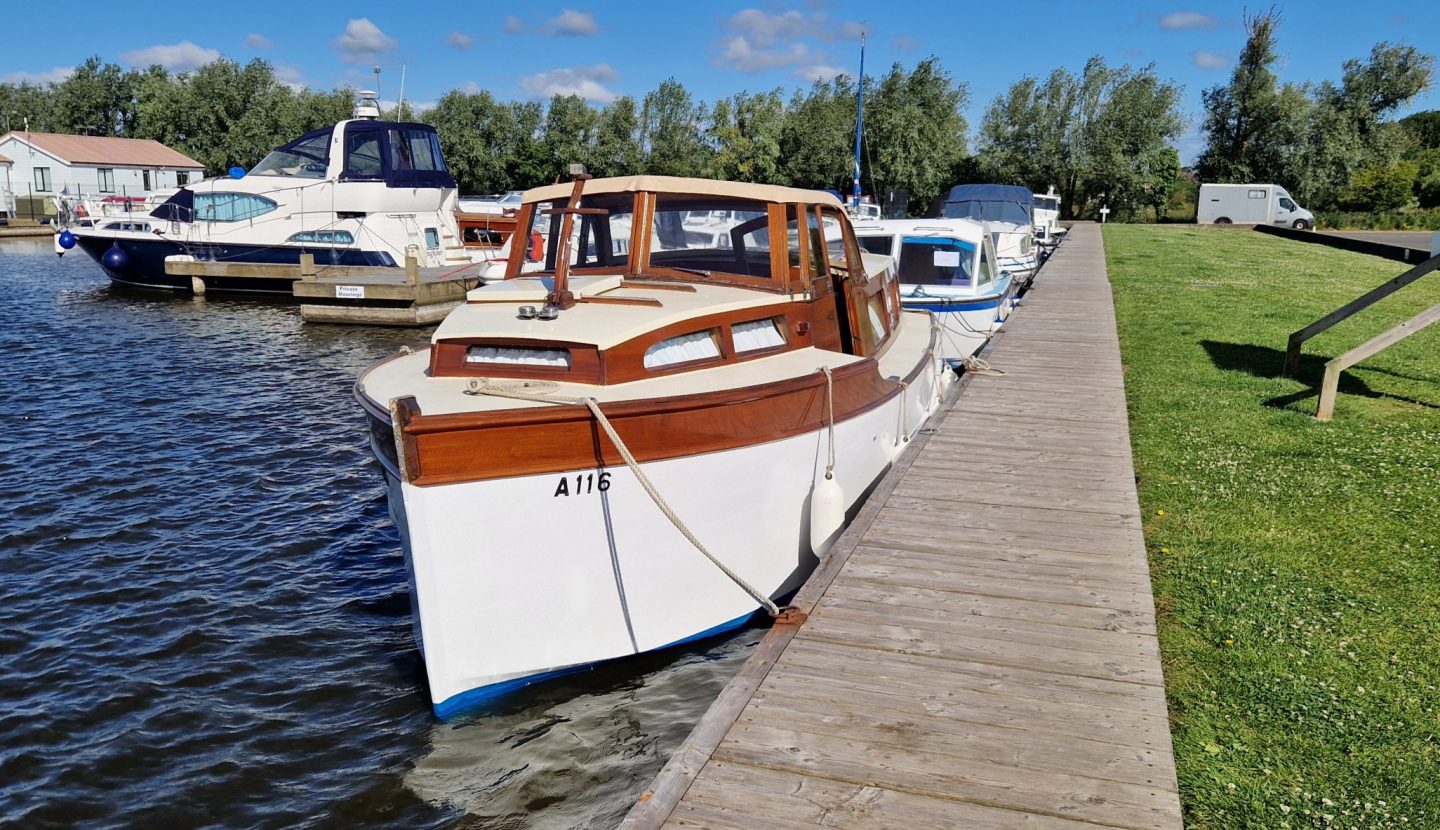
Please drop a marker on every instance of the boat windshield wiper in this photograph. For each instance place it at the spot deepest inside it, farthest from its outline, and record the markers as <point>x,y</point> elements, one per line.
<point>701,272</point>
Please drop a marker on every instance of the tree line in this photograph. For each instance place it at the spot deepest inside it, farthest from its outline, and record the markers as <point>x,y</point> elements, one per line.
<point>1332,143</point>
<point>1104,137</point>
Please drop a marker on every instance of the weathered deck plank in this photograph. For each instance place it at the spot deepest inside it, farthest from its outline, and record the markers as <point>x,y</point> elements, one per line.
<point>981,647</point>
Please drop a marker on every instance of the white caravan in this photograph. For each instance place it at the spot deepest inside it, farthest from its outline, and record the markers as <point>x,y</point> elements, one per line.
<point>1250,204</point>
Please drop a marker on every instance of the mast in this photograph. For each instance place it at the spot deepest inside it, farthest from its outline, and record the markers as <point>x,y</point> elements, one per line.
<point>859,117</point>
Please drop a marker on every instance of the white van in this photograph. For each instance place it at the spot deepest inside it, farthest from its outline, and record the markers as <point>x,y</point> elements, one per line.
<point>1251,204</point>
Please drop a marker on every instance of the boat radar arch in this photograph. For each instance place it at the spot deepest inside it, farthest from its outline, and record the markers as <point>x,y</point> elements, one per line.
<point>368,106</point>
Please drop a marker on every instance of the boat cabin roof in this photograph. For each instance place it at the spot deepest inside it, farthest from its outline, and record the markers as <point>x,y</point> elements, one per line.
<point>686,186</point>
<point>967,230</point>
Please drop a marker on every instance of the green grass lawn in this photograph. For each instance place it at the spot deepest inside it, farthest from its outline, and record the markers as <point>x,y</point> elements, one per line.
<point>1296,563</point>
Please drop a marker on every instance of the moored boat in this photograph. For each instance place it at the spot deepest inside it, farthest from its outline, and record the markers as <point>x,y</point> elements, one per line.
<point>361,192</point>
<point>947,267</point>
<point>756,387</point>
<point>1006,212</point>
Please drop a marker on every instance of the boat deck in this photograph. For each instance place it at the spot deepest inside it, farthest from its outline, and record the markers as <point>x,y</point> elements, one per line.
<point>980,650</point>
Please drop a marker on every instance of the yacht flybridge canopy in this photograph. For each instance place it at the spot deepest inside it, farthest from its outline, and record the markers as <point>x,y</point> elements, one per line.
<point>989,203</point>
<point>397,153</point>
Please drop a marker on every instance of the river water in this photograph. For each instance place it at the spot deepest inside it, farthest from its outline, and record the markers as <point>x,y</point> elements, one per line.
<point>204,619</point>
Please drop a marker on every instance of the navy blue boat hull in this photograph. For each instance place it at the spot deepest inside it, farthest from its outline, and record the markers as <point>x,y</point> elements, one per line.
<point>145,262</point>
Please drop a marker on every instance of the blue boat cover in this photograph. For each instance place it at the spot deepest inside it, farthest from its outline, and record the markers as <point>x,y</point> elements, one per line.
<point>989,203</point>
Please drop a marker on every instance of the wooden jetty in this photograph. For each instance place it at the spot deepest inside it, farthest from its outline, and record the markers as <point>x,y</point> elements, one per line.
<point>980,650</point>
<point>366,295</point>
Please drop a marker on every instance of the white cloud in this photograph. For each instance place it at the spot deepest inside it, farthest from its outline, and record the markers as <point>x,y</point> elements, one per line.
<point>904,43</point>
<point>290,76</point>
<point>416,107</point>
<point>459,40</point>
<point>255,41</point>
<point>759,41</point>
<point>363,40</point>
<point>1189,20</point>
<point>513,25</point>
<point>1211,60</point>
<point>586,81</point>
<point>819,72</point>
<point>54,76</point>
<point>739,53</point>
<point>180,57</point>
<point>570,23</point>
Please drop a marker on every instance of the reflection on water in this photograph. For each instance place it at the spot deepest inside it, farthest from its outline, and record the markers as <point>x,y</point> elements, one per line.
<point>203,610</point>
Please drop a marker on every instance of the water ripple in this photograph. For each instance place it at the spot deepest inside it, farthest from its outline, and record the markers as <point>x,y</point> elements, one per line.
<point>204,616</point>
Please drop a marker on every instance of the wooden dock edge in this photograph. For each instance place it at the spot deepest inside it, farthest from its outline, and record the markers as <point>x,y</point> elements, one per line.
<point>410,316</point>
<point>657,803</point>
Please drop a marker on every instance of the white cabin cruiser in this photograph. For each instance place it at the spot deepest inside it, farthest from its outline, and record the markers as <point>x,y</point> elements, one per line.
<point>947,267</point>
<point>1006,212</point>
<point>362,192</point>
<point>1046,210</point>
<point>759,387</point>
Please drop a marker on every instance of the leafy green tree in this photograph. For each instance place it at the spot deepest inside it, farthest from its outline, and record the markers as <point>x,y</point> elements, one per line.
<point>1380,187</point>
<point>744,133</point>
<point>477,136</point>
<point>915,131</point>
<point>96,99</point>
<point>1424,127</point>
<point>617,150</point>
<point>569,134</point>
<point>1239,116</point>
<point>670,124</point>
<point>27,103</point>
<point>817,138</point>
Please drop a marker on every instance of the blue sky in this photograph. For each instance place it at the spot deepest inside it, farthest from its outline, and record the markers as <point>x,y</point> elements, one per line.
<point>602,50</point>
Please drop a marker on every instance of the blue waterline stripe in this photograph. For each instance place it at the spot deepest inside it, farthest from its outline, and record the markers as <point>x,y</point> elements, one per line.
<point>464,701</point>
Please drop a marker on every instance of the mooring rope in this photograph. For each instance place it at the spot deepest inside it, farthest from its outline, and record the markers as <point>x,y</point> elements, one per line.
<point>543,392</point>
<point>976,366</point>
<point>830,419</point>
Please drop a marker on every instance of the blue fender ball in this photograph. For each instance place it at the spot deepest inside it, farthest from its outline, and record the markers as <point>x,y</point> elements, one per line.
<point>67,240</point>
<point>115,259</point>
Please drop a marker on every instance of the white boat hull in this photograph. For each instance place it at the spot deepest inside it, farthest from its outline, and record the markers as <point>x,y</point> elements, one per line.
<point>517,579</point>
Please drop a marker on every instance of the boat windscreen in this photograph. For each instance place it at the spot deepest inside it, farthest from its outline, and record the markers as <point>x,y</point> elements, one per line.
<point>883,245</point>
<point>932,260</point>
<point>305,158</point>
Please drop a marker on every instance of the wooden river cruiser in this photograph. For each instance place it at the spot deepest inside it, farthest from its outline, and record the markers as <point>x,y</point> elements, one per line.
<point>576,437</point>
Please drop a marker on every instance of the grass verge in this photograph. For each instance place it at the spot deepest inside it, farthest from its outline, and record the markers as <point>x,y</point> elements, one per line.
<point>1294,562</point>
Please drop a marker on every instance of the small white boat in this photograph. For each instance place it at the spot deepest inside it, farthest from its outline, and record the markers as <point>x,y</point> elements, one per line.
<point>499,204</point>
<point>1046,209</point>
<point>947,267</point>
<point>759,387</point>
<point>1006,212</point>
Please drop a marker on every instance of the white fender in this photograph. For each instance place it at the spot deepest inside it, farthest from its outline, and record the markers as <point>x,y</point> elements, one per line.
<point>827,514</point>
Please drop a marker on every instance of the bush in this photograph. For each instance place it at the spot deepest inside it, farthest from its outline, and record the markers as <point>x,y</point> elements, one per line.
<point>1405,220</point>
<point>1428,191</point>
<point>1380,187</point>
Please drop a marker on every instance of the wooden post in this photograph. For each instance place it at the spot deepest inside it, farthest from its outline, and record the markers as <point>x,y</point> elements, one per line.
<point>307,266</point>
<point>412,269</point>
<point>1331,384</point>
<point>1297,339</point>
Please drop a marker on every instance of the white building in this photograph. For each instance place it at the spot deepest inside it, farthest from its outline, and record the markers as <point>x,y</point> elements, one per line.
<point>46,164</point>
<point>7,192</point>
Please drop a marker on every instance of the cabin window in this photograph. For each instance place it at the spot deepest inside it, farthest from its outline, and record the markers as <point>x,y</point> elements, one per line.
<point>598,240</point>
<point>839,249</point>
<point>362,155</point>
<point>754,335</point>
<point>432,238</point>
<point>934,260</point>
<point>324,237</point>
<point>415,149</point>
<point>42,179</point>
<point>684,348</point>
<point>816,244</point>
<point>878,317</point>
<point>987,268</point>
<point>106,177</point>
<point>182,178</point>
<point>729,236</point>
<point>484,238</point>
<point>230,207</point>
<point>518,356</point>
<point>882,245</point>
